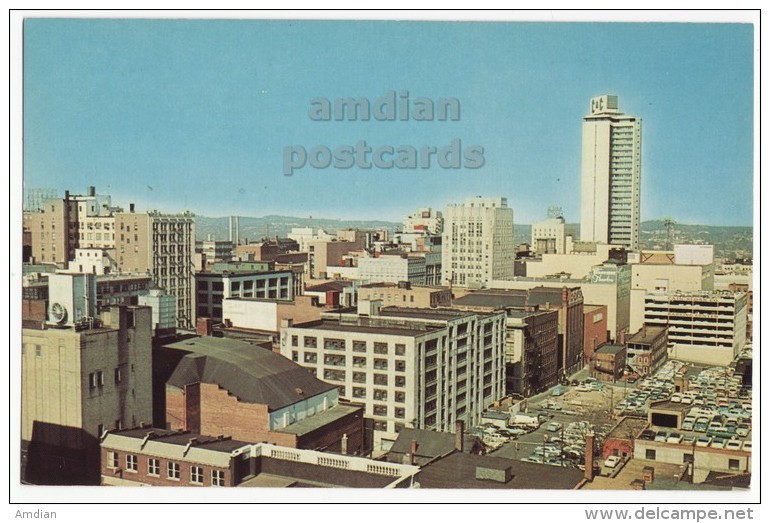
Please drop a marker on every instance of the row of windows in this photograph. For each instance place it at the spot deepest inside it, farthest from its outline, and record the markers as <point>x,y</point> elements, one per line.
<point>173,469</point>
<point>340,344</point>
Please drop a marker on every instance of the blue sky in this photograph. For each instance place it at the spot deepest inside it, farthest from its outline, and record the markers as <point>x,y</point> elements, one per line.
<point>202,110</point>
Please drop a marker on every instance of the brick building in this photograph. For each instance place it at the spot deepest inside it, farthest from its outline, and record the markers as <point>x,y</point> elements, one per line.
<point>226,386</point>
<point>158,457</point>
<point>608,363</point>
<point>595,333</point>
<point>648,349</point>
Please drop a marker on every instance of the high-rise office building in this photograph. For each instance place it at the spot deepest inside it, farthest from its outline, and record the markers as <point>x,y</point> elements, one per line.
<point>477,244</point>
<point>162,245</point>
<point>611,174</point>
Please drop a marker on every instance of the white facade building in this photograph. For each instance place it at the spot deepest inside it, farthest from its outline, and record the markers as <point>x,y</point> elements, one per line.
<point>417,368</point>
<point>706,327</point>
<point>392,269</point>
<point>611,174</point>
<point>477,244</point>
<point>426,220</point>
<point>548,236</point>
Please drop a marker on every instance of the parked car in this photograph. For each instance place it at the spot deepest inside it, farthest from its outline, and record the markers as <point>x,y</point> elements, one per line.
<point>661,436</point>
<point>553,427</point>
<point>612,462</point>
<point>674,437</point>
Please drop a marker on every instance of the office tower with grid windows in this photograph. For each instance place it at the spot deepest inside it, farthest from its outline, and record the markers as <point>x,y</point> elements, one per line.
<point>611,175</point>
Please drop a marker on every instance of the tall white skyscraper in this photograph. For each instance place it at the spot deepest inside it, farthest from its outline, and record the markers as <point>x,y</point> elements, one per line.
<point>477,242</point>
<point>611,174</point>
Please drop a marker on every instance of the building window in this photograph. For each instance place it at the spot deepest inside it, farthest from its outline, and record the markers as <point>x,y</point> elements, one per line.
<point>380,395</point>
<point>380,348</point>
<point>117,375</point>
<point>734,464</point>
<point>359,392</point>
<point>294,356</point>
<point>217,478</point>
<point>334,360</point>
<point>113,460</point>
<point>649,454</point>
<point>400,413</point>
<point>294,341</point>
<point>132,463</point>
<point>311,342</point>
<point>311,357</point>
<point>380,379</point>
<point>359,346</point>
<point>400,349</point>
<point>196,475</point>
<point>359,377</point>
<point>334,344</point>
<point>38,350</point>
<point>400,381</point>
<point>400,397</point>
<point>380,410</point>
<point>381,364</point>
<point>153,467</point>
<point>173,470</point>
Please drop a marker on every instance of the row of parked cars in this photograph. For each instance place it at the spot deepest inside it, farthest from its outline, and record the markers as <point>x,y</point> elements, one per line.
<point>694,440</point>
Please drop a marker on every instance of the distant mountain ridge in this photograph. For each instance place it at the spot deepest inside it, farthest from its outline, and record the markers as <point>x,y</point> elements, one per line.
<point>728,241</point>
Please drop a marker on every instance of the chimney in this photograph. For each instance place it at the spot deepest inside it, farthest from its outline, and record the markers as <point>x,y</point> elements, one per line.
<point>130,207</point>
<point>648,474</point>
<point>204,327</point>
<point>460,435</point>
<point>412,451</point>
<point>344,444</point>
<point>91,190</point>
<point>589,472</point>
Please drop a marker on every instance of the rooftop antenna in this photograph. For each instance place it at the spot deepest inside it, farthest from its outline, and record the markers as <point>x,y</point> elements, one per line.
<point>669,223</point>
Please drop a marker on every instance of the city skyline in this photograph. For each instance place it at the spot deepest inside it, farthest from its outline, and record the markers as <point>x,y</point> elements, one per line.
<point>137,107</point>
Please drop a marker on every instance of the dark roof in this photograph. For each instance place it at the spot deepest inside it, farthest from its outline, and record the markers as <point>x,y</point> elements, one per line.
<point>294,257</point>
<point>250,373</point>
<point>611,349</point>
<point>496,301</point>
<point>175,437</point>
<point>646,334</point>
<point>424,313</point>
<point>458,470</point>
<point>517,298</point>
<point>430,443</point>
<point>336,285</point>
<point>336,326</point>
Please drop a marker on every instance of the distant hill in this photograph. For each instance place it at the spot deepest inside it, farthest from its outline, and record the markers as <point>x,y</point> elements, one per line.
<point>257,228</point>
<point>729,241</point>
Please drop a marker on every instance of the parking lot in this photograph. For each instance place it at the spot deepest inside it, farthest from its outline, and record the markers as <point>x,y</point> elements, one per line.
<point>719,414</point>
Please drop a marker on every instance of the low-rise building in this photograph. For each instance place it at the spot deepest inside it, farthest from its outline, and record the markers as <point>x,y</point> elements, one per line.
<point>225,386</point>
<point>405,294</point>
<point>158,457</point>
<point>239,280</point>
<point>608,363</point>
<point>647,350</point>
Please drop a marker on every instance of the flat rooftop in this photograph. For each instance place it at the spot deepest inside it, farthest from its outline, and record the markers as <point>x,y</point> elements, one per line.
<point>458,470</point>
<point>424,314</point>
<point>611,349</point>
<point>336,326</point>
<point>319,419</point>
<point>646,334</point>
